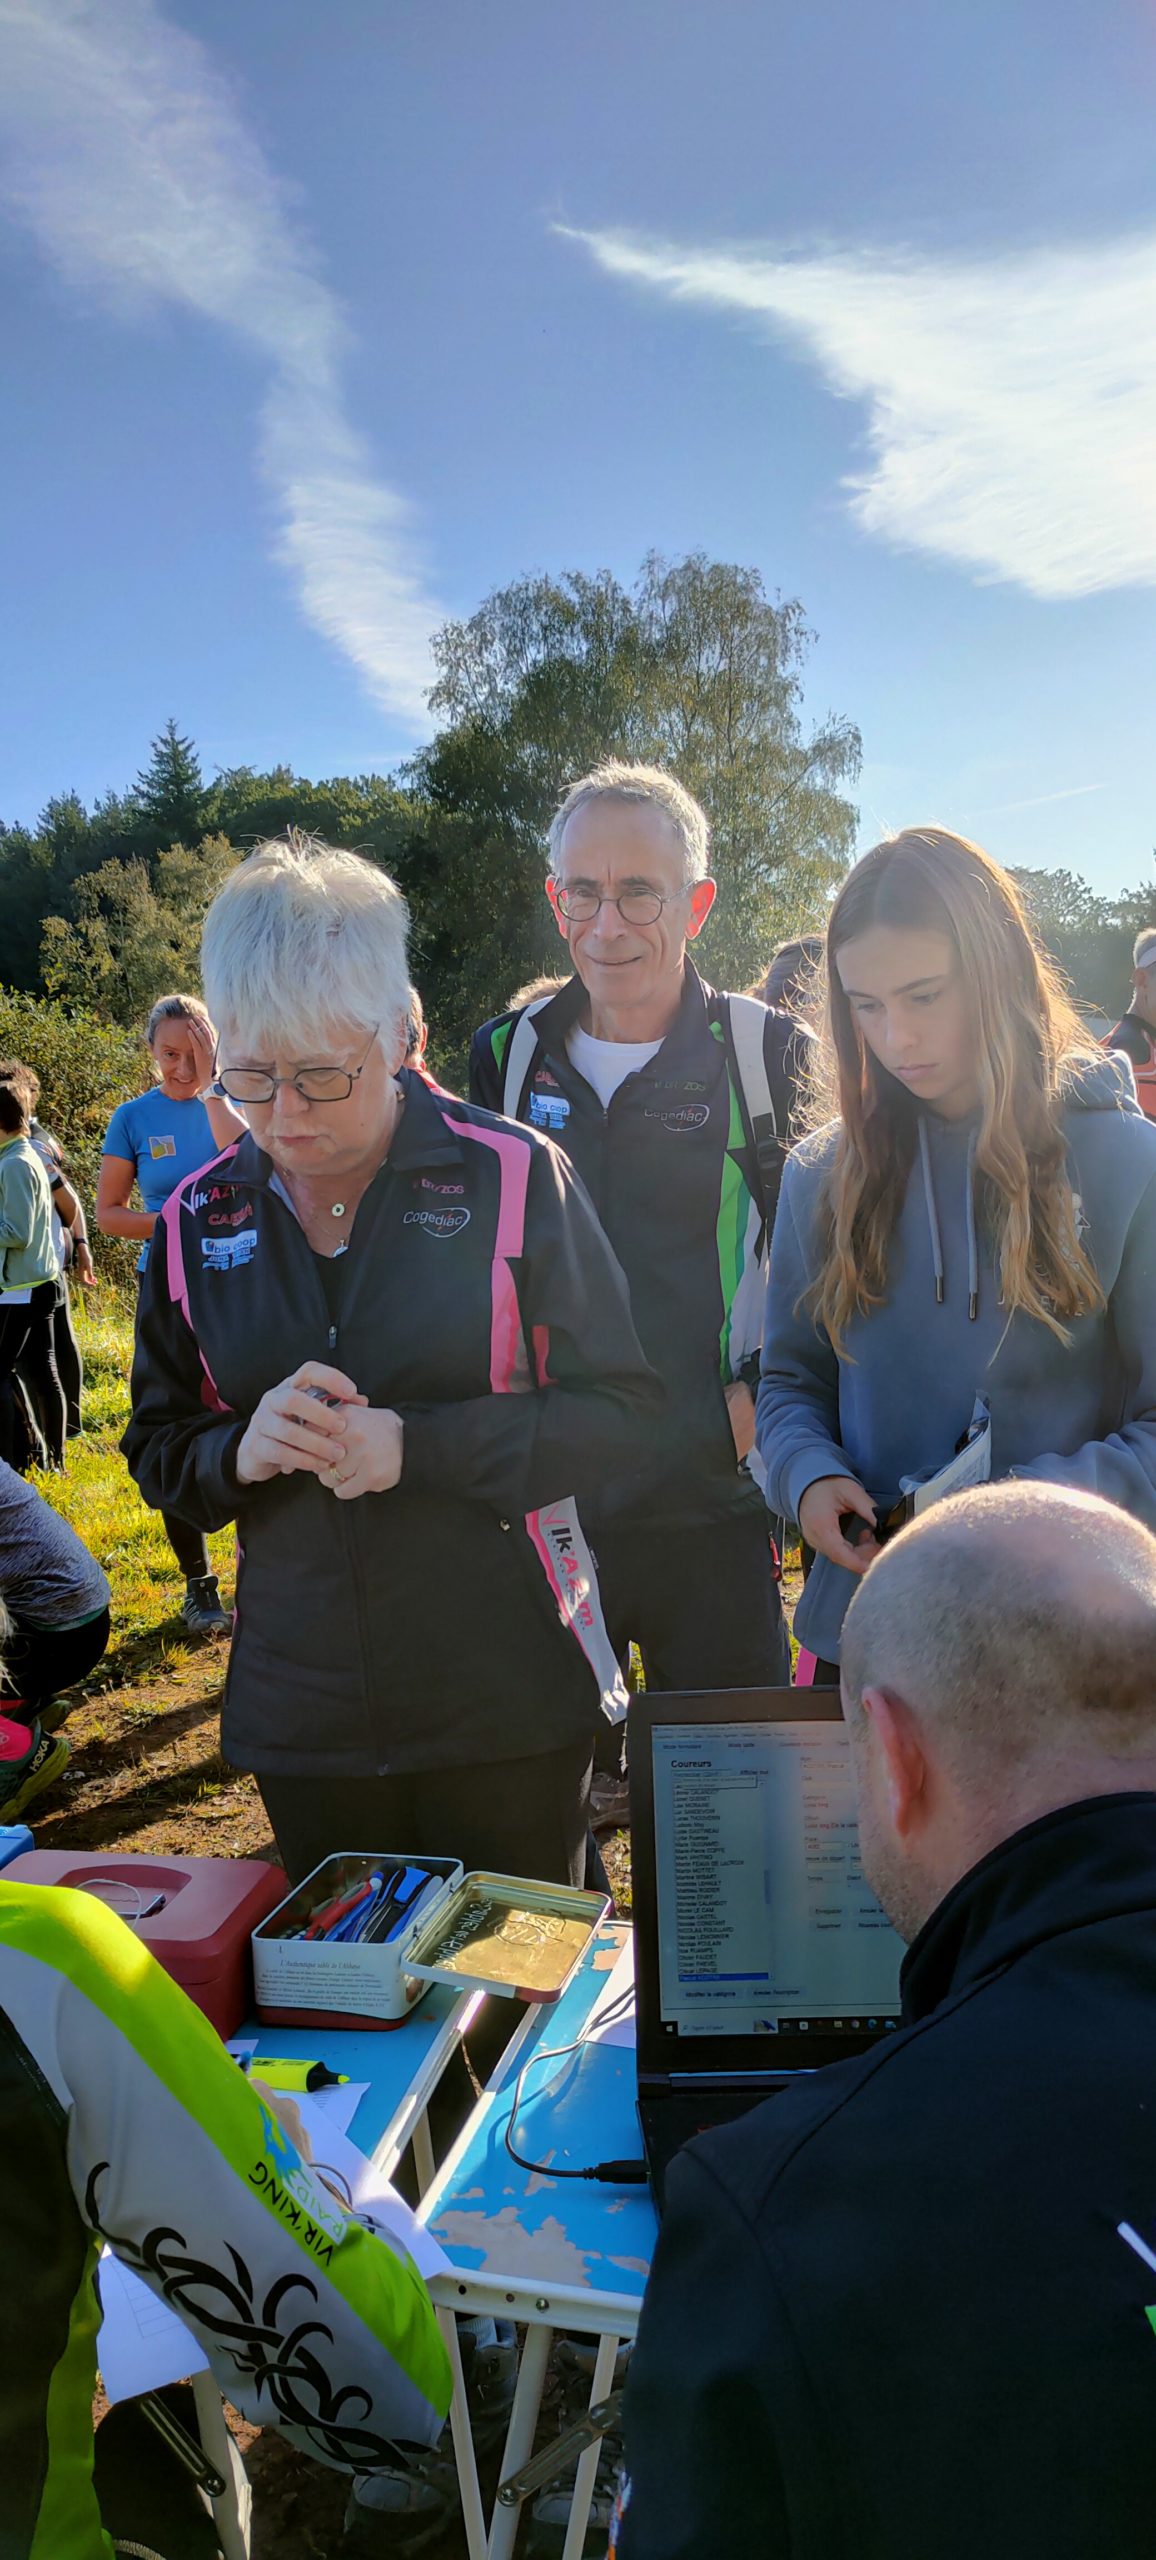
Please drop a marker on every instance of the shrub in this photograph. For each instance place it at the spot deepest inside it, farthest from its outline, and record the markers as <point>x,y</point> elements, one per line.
<point>85,1067</point>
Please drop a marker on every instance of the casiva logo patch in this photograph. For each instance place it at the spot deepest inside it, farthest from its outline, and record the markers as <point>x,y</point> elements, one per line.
<point>238,1217</point>
<point>438,1222</point>
<point>228,1253</point>
<point>686,1115</point>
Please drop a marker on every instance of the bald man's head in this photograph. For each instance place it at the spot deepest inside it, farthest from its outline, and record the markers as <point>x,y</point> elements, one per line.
<point>1014,1618</point>
<point>1012,1633</point>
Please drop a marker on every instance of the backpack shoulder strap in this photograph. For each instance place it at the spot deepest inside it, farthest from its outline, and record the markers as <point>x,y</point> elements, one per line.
<point>745,1023</point>
<point>519,1058</point>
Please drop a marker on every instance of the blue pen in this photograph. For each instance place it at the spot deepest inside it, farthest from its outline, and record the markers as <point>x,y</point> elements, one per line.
<point>353,1923</point>
<point>395,1910</point>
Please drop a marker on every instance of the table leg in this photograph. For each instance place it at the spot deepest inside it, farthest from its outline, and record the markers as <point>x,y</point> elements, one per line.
<point>469,2488</point>
<point>423,2152</point>
<point>586,2473</point>
<point>232,2513</point>
<point>520,2438</point>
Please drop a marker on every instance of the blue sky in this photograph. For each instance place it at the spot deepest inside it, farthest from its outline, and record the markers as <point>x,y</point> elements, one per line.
<point>321,321</point>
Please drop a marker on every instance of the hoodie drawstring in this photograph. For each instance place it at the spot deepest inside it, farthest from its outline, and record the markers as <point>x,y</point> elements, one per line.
<point>972,1245</point>
<point>933,1223</point>
<point>932,1212</point>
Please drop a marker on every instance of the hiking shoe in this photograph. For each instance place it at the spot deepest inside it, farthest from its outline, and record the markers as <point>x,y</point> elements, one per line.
<point>489,2353</point>
<point>574,2362</point>
<point>52,1711</point>
<point>202,1609</point>
<point>398,2513</point>
<point>29,1761</point>
<point>549,2519</point>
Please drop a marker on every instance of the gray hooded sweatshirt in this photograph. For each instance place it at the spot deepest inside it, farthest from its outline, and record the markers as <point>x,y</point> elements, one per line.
<point>1081,1413</point>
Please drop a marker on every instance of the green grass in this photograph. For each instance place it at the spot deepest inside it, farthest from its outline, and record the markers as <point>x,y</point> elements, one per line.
<point>100,1501</point>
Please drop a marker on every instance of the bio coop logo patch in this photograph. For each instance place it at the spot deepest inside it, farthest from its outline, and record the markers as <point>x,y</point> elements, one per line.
<point>549,1110</point>
<point>228,1253</point>
<point>438,1222</point>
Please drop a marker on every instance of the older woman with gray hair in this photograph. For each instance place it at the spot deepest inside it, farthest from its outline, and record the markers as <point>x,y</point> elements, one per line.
<point>387,1337</point>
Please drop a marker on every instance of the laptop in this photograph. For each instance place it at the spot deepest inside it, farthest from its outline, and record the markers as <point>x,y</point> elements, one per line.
<point>759,1950</point>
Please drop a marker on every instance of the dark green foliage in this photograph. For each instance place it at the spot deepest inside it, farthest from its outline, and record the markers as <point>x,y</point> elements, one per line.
<point>169,804</point>
<point>1090,936</point>
<point>86,1066</point>
<point>693,668</point>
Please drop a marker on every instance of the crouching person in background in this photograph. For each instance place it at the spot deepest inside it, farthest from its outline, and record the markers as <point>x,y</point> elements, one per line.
<point>54,1606</point>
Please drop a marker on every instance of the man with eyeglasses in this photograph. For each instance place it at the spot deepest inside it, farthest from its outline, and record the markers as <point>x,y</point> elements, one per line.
<point>634,1068</point>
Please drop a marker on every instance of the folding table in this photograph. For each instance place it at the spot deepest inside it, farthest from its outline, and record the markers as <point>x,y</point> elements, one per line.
<point>531,2246</point>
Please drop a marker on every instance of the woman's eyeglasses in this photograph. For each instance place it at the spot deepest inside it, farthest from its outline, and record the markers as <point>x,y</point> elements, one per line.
<point>636,906</point>
<point>314,1084</point>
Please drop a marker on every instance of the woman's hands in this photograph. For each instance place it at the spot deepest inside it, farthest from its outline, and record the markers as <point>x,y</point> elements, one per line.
<point>374,1439</point>
<point>226,1123</point>
<point>203,1043</point>
<point>819,1514</point>
<point>295,1431</point>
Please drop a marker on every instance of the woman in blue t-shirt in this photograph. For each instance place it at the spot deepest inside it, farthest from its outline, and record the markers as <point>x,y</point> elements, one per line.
<point>152,1143</point>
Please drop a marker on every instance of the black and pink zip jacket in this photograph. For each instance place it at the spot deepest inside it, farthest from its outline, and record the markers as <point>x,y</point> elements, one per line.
<point>456,1618</point>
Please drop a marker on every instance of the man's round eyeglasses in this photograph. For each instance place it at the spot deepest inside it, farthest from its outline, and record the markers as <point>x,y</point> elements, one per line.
<point>314,1084</point>
<point>636,906</point>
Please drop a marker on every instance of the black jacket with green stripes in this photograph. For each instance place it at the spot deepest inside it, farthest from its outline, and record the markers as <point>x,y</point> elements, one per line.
<point>672,1171</point>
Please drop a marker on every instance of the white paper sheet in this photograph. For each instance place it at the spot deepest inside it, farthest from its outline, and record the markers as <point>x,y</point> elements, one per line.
<point>339,2106</point>
<point>970,1465</point>
<point>141,2344</point>
<point>611,2020</point>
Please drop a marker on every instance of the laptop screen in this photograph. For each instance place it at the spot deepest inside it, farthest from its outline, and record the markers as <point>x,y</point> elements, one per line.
<point>764,1923</point>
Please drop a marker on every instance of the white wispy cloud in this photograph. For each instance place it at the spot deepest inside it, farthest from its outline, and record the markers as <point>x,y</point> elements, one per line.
<point>125,154</point>
<point>1011,402</point>
<point>1040,800</point>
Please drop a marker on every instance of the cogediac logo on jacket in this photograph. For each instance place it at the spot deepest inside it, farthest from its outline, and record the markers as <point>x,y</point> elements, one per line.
<point>438,1222</point>
<point>683,1116</point>
<point>228,1253</point>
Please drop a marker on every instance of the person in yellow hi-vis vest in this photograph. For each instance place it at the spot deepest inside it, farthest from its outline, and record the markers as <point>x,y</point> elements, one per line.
<point>125,2120</point>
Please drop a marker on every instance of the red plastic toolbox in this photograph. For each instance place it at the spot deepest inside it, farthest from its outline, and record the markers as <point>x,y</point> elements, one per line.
<point>202,1931</point>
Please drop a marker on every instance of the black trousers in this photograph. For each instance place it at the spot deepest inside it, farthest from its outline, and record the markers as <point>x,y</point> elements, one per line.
<point>521,1817</point>
<point>26,1338</point>
<point>70,1366</point>
<point>188,1544</point>
<point>40,1661</point>
<point>701,1604</point>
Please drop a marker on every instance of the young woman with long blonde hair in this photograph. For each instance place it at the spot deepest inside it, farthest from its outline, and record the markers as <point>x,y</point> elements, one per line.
<point>975,1220</point>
